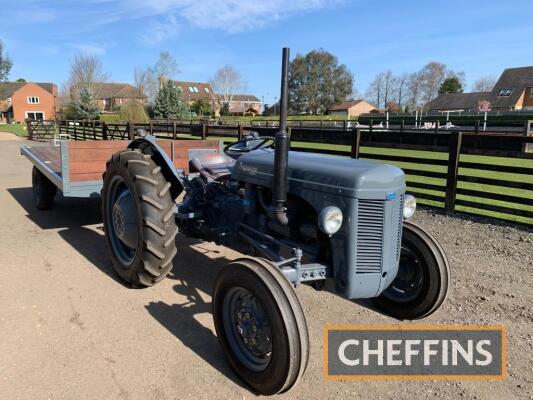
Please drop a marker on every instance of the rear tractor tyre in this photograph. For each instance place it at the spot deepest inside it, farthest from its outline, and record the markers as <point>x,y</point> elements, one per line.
<point>260,325</point>
<point>423,277</point>
<point>138,215</point>
<point>44,190</point>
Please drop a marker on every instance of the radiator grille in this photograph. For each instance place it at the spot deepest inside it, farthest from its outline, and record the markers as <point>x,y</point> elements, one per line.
<point>397,216</point>
<point>369,236</point>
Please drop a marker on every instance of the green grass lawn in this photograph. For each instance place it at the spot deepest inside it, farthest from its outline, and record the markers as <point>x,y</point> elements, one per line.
<point>17,129</point>
<point>504,161</point>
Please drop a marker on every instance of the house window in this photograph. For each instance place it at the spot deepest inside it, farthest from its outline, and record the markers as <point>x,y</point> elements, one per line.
<point>207,90</point>
<point>33,100</point>
<point>35,115</point>
<point>193,89</point>
<point>506,92</point>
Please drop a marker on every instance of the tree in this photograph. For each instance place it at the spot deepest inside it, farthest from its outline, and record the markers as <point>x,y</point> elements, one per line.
<point>484,84</point>
<point>375,90</point>
<point>139,78</point>
<point>431,78</point>
<point>392,106</point>
<point>401,83</point>
<point>86,71</point>
<point>133,112</point>
<point>227,82</point>
<point>84,107</point>
<point>5,64</point>
<point>21,80</point>
<point>152,77</point>
<point>168,102</point>
<point>484,106</point>
<point>202,107</point>
<point>317,81</point>
<point>224,110</point>
<point>451,84</point>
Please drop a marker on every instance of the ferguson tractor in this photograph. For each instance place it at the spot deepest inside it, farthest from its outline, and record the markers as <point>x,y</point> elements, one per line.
<point>300,218</point>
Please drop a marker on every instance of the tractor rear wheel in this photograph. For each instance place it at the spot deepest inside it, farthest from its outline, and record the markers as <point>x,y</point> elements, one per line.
<point>260,325</point>
<point>423,277</point>
<point>138,215</point>
<point>43,189</point>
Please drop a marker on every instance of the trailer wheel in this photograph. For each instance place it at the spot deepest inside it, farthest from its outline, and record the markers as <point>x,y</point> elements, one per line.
<point>44,190</point>
<point>423,277</point>
<point>138,215</point>
<point>260,325</point>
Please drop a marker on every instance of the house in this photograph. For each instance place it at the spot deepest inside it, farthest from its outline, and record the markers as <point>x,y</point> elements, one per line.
<point>242,104</point>
<point>352,108</point>
<point>193,91</point>
<point>22,100</point>
<point>111,96</point>
<point>513,91</point>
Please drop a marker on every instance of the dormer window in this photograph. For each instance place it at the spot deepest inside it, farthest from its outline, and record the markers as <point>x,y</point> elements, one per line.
<point>33,100</point>
<point>505,92</point>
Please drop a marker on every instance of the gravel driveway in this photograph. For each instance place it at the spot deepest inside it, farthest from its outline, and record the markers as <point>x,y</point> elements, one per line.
<point>70,330</point>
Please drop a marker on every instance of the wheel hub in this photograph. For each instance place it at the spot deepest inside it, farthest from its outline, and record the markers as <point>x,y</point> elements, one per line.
<point>125,219</point>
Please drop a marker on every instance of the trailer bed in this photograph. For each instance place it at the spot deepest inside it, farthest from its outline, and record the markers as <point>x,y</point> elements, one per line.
<point>76,168</point>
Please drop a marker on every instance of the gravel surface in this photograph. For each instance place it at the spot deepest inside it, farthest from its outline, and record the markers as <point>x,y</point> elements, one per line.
<point>70,330</point>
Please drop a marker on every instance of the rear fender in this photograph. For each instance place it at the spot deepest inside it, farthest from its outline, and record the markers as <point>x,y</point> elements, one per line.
<point>148,145</point>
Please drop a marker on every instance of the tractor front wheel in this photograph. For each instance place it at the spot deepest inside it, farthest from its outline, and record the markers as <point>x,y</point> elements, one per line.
<point>260,325</point>
<point>138,215</point>
<point>423,277</point>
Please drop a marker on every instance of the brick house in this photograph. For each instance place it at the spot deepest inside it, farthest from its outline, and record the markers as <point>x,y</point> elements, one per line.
<point>111,96</point>
<point>352,108</point>
<point>513,91</point>
<point>27,100</point>
<point>242,104</point>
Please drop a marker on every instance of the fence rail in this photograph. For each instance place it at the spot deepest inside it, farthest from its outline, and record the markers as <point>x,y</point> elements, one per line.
<point>446,174</point>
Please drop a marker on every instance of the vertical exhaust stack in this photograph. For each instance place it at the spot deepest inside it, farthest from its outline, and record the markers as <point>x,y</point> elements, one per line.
<point>281,155</point>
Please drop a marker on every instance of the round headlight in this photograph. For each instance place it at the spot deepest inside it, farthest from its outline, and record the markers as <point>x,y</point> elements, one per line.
<point>330,220</point>
<point>409,206</point>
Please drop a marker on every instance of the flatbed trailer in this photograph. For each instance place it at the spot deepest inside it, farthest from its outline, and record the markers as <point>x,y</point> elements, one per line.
<point>76,167</point>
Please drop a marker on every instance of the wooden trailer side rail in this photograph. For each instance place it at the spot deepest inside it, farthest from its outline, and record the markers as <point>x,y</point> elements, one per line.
<point>76,167</point>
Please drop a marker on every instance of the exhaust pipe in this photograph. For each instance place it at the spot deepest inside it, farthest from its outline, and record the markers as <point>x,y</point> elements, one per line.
<point>281,155</point>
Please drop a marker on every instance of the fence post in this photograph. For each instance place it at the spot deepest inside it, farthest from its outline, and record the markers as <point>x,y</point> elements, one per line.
<point>83,133</point>
<point>526,127</point>
<point>94,129</point>
<point>454,153</point>
<point>402,126</point>
<point>174,130</point>
<point>104,130</point>
<point>75,133</point>
<point>131,130</point>
<point>476,126</point>
<point>240,131</point>
<point>204,130</point>
<point>28,128</point>
<point>370,126</point>
<point>356,142</point>
<point>344,125</point>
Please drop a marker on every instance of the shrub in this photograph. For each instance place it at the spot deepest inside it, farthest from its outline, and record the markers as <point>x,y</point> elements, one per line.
<point>133,112</point>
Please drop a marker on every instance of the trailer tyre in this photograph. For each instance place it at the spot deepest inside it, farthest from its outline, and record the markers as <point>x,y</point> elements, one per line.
<point>44,190</point>
<point>423,277</point>
<point>138,215</point>
<point>260,325</point>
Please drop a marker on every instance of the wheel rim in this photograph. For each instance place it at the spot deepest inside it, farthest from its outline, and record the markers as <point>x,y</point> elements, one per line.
<point>121,215</point>
<point>409,281</point>
<point>247,329</point>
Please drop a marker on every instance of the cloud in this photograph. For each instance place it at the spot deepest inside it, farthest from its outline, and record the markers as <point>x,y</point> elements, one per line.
<point>89,48</point>
<point>35,15</point>
<point>160,31</point>
<point>231,16</point>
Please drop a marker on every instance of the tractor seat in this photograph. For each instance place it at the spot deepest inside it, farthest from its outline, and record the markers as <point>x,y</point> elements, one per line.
<point>212,166</point>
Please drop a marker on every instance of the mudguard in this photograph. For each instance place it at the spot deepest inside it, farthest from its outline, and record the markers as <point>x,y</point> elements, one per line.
<point>148,145</point>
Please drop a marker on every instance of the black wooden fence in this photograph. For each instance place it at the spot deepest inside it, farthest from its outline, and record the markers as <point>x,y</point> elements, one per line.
<point>449,181</point>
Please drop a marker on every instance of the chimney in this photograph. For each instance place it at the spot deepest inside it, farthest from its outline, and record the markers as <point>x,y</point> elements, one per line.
<point>161,81</point>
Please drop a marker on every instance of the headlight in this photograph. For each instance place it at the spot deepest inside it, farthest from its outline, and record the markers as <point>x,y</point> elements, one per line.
<point>409,206</point>
<point>330,220</point>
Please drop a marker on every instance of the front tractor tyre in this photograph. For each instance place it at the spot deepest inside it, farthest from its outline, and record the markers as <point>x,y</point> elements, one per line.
<point>43,190</point>
<point>423,277</point>
<point>138,215</point>
<point>260,325</point>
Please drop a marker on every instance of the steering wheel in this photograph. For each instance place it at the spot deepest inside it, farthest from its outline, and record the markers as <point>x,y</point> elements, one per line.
<point>248,144</point>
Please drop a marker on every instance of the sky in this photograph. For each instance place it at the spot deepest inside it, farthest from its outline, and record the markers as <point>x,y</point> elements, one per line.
<point>480,38</point>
